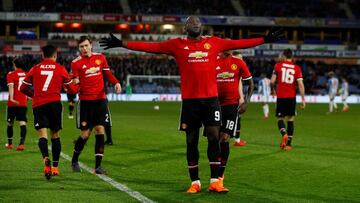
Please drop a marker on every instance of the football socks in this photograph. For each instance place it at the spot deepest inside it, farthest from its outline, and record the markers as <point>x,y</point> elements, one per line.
<point>43,146</point>
<point>79,146</point>
<point>225,151</point>
<point>56,150</point>
<point>99,149</point>
<point>22,134</point>
<point>281,126</point>
<point>10,134</point>
<point>290,131</point>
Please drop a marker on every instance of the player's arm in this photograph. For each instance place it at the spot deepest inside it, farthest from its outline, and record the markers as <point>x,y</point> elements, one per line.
<point>272,36</point>
<point>164,47</point>
<point>26,87</point>
<point>272,83</point>
<point>10,84</point>
<point>249,83</point>
<point>302,92</point>
<point>112,79</point>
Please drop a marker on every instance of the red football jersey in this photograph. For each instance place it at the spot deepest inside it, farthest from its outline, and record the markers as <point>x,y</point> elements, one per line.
<point>229,72</point>
<point>287,74</point>
<point>196,60</point>
<point>16,77</point>
<point>89,70</point>
<point>47,78</point>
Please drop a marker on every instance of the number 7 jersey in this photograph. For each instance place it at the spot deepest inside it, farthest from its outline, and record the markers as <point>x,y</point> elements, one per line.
<point>287,74</point>
<point>47,79</point>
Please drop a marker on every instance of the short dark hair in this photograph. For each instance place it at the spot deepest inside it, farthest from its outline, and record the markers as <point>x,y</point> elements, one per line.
<point>83,38</point>
<point>288,53</point>
<point>49,50</point>
<point>19,62</point>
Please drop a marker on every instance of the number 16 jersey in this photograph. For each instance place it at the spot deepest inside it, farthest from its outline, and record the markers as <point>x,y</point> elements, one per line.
<point>47,79</point>
<point>287,74</point>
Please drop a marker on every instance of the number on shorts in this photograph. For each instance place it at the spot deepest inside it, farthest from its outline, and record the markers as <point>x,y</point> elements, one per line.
<point>230,124</point>
<point>49,75</point>
<point>287,75</point>
<point>217,115</point>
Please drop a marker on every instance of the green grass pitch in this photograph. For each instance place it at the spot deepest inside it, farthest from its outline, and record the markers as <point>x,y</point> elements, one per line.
<point>149,157</point>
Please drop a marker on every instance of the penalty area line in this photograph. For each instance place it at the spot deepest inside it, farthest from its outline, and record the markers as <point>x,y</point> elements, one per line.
<point>135,194</point>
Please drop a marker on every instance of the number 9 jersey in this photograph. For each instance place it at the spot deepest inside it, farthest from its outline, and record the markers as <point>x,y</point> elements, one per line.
<point>287,74</point>
<point>47,79</point>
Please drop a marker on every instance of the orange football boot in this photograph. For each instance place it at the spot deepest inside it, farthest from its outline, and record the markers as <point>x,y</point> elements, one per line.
<point>194,188</point>
<point>240,144</point>
<point>8,146</point>
<point>47,168</point>
<point>218,187</point>
<point>288,148</point>
<point>55,171</point>
<point>21,147</point>
<point>283,141</point>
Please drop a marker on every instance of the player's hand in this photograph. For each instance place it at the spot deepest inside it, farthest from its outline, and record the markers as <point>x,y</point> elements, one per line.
<point>242,108</point>
<point>274,35</point>
<point>303,105</point>
<point>16,103</point>
<point>76,81</point>
<point>118,88</point>
<point>110,42</point>
<point>273,93</point>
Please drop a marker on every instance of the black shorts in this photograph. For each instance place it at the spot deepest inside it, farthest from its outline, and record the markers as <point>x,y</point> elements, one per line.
<point>71,97</point>
<point>229,122</point>
<point>197,112</point>
<point>48,116</point>
<point>91,113</point>
<point>285,107</point>
<point>18,112</point>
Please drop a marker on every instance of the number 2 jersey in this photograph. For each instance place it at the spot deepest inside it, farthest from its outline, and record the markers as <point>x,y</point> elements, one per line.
<point>47,79</point>
<point>287,74</point>
<point>15,78</point>
<point>228,74</point>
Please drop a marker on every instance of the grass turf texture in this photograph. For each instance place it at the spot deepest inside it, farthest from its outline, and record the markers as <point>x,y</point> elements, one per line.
<point>149,156</point>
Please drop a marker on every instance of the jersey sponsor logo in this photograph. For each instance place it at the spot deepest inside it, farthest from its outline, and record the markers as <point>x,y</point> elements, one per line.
<point>92,70</point>
<point>98,62</point>
<point>207,46</point>
<point>233,66</point>
<point>225,75</point>
<point>198,54</point>
<point>48,66</point>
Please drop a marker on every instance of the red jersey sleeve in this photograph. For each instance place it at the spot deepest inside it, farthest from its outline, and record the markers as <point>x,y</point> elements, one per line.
<point>165,47</point>
<point>105,63</point>
<point>225,44</point>
<point>245,73</point>
<point>28,78</point>
<point>74,70</point>
<point>276,69</point>
<point>70,86</point>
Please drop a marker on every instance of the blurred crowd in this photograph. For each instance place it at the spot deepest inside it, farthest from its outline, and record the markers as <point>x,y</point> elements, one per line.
<point>315,74</point>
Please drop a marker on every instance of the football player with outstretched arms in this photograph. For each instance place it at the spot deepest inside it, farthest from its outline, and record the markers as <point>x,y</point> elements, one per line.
<point>196,56</point>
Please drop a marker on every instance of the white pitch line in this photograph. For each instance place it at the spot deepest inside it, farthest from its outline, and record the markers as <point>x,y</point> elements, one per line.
<point>135,194</point>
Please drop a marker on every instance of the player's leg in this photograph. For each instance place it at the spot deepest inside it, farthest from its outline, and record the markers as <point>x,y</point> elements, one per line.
<point>100,119</point>
<point>239,142</point>
<point>22,118</point>
<point>10,117</point>
<point>281,111</point>
<point>345,105</point>
<point>191,123</point>
<point>290,131</point>
<point>82,118</point>
<point>211,118</point>
<point>192,157</point>
<point>56,151</point>
<point>71,109</point>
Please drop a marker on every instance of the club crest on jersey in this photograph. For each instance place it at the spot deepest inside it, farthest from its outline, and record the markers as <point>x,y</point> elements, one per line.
<point>83,123</point>
<point>207,46</point>
<point>183,126</point>
<point>225,75</point>
<point>233,66</point>
<point>92,70</point>
<point>98,62</point>
<point>198,54</point>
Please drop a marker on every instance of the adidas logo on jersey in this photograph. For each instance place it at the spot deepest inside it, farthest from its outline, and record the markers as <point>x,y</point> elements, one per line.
<point>217,67</point>
<point>84,66</point>
<point>186,48</point>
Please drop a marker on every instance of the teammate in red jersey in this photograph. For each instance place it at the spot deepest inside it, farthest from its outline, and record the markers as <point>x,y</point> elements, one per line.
<point>16,105</point>
<point>88,70</point>
<point>196,57</point>
<point>287,73</point>
<point>231,72</point>
<point>71,101</point>
<point>47,79</point>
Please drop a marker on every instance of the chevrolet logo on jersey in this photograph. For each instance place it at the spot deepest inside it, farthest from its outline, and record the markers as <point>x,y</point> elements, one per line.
<point>92,70</point>
<point>225,75</point>
<point>198,54</point>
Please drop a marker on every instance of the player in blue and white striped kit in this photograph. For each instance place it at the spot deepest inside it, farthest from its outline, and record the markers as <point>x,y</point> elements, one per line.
<point>344,93</point>
<point>264,93</point>
<point>333,85</point>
